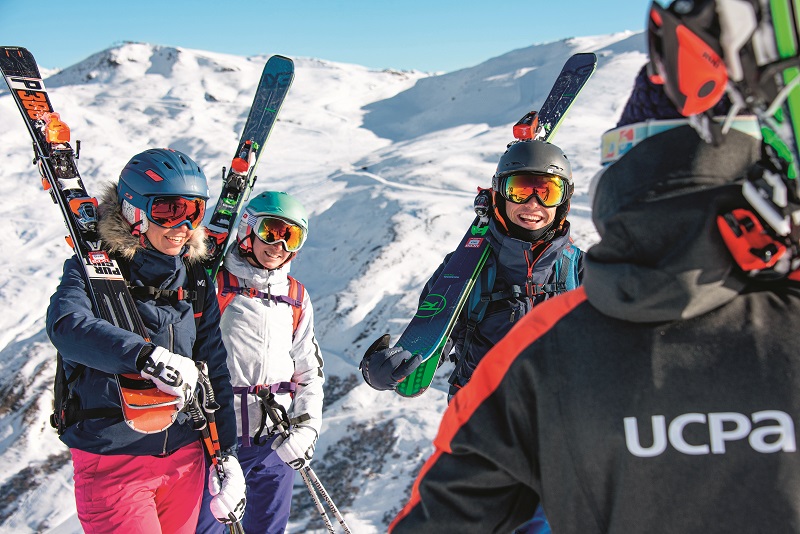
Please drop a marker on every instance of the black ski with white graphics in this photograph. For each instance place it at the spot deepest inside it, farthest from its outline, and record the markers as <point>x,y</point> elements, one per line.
<point>150,409</point>
<point>428,331</point>
<point>238,182</point>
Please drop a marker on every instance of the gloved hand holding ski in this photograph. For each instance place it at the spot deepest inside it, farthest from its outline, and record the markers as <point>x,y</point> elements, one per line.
<point>383,367</point>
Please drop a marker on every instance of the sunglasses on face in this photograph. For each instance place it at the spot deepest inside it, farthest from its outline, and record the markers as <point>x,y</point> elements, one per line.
<point>549,190</point>
<point>273,230</point>
<point>170,212</point>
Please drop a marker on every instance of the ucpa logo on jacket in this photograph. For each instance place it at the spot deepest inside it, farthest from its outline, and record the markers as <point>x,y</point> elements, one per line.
<point>775,435</point>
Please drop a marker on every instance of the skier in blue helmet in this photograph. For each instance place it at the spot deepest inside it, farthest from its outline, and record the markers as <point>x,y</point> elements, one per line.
<point>132,478</point>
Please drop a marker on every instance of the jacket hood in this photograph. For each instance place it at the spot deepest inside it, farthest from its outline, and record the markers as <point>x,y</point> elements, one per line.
<point>116,234</point>
<point>660,256</point>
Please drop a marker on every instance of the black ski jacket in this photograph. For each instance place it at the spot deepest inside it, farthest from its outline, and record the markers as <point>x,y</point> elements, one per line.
<point>662,396</point>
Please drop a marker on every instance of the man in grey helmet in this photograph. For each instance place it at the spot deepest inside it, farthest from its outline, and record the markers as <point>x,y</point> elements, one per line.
<point>663,394</point>
<point>532,259</point>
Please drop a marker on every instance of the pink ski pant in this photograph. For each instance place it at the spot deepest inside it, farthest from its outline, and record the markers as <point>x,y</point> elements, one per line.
<point>139,494</point>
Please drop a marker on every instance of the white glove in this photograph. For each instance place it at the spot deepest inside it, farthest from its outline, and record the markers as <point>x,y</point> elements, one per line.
<point>228,494</point>
<point>298,448</point>
<point>172,373</point>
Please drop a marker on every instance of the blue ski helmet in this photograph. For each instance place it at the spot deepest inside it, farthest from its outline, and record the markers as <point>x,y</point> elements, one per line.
<point>154,173</point>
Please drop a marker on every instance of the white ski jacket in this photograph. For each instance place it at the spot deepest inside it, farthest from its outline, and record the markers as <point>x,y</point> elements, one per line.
<point>263,349</point>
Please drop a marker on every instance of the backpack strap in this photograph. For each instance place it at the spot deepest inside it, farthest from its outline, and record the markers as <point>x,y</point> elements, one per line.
<point>195,292</point>
<point>197,283</point>
<point>228,287</point>
<point>296,296</point>
<point>65,407</point>
<point>479,300</point>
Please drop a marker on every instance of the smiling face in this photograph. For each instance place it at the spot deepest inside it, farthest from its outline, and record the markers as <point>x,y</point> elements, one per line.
<point>531,215</point>
<point>270,256</point>
<point>169,241</point>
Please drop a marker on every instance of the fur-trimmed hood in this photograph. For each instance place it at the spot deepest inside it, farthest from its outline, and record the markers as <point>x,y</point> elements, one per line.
<point>116,234</point>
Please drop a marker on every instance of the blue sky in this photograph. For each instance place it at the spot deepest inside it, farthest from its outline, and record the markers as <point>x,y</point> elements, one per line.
<point>427,35</point>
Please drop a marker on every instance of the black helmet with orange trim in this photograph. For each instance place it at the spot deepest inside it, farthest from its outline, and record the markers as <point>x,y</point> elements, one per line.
<point>701,50</point>
<point>698,47</point>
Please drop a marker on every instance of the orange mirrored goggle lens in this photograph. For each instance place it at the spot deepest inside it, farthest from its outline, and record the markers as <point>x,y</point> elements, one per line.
<point>550,190</point>
<point>170,212</point>
<point>273,230</point>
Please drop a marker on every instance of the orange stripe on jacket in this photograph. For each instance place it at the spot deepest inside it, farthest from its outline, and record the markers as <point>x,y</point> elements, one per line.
<point>488,375</point>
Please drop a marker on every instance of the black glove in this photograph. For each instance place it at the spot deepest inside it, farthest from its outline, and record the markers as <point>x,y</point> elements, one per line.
<point>383,367</point>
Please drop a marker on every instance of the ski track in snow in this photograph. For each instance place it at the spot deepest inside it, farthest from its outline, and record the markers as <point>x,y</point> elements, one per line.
<point>387,164</point>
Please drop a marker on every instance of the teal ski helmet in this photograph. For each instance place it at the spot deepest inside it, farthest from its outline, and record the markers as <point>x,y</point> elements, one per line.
<point>158,173</point>
<point>276,205</point>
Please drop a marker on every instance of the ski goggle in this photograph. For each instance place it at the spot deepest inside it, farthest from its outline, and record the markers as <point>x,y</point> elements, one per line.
<point>170,212</point>
<point>273,230</point>
<point>550,190</point>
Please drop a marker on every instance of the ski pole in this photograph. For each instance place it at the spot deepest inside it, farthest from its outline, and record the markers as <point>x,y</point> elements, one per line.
<point>326,496</point>
<point>280,419</point>
<point>203,419</point>
<point>317,502</point>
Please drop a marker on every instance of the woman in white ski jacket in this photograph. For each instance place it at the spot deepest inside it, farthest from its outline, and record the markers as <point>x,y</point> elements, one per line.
<point>273,357</point>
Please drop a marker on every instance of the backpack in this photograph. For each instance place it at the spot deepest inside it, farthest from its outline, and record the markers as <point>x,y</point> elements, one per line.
<point>65,408</point>
<point>566,274</point>
<point>228,287</point>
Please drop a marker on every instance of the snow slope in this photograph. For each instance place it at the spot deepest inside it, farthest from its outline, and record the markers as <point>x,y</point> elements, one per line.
<point>387,163</point>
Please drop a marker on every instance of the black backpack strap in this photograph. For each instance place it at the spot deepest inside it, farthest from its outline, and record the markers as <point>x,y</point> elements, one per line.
<point>197,285</point>
<point>65,407</point>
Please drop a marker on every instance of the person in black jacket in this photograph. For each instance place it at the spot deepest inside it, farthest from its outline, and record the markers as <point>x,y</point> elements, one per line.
<point>532,258</point>
<point>662,395</point>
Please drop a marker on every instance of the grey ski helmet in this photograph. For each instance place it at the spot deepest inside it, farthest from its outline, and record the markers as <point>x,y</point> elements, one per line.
<point>537,157</point>
<point>533,156</point>
<point>159,172</point>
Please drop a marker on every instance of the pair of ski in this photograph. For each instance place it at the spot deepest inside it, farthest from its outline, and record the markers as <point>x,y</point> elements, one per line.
<point>145,408</point>
<point>428,331</point>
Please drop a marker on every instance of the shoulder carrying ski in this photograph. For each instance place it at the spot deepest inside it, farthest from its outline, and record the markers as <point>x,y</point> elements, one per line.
<point>238,182</point>
<point>428,331</point>
<point>145,408</point>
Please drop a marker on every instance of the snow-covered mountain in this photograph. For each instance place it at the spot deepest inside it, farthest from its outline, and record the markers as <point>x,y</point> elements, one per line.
<point>387,162</point>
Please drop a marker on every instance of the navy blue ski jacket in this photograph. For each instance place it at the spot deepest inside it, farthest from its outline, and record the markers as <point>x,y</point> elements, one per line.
<point>106,350</point>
